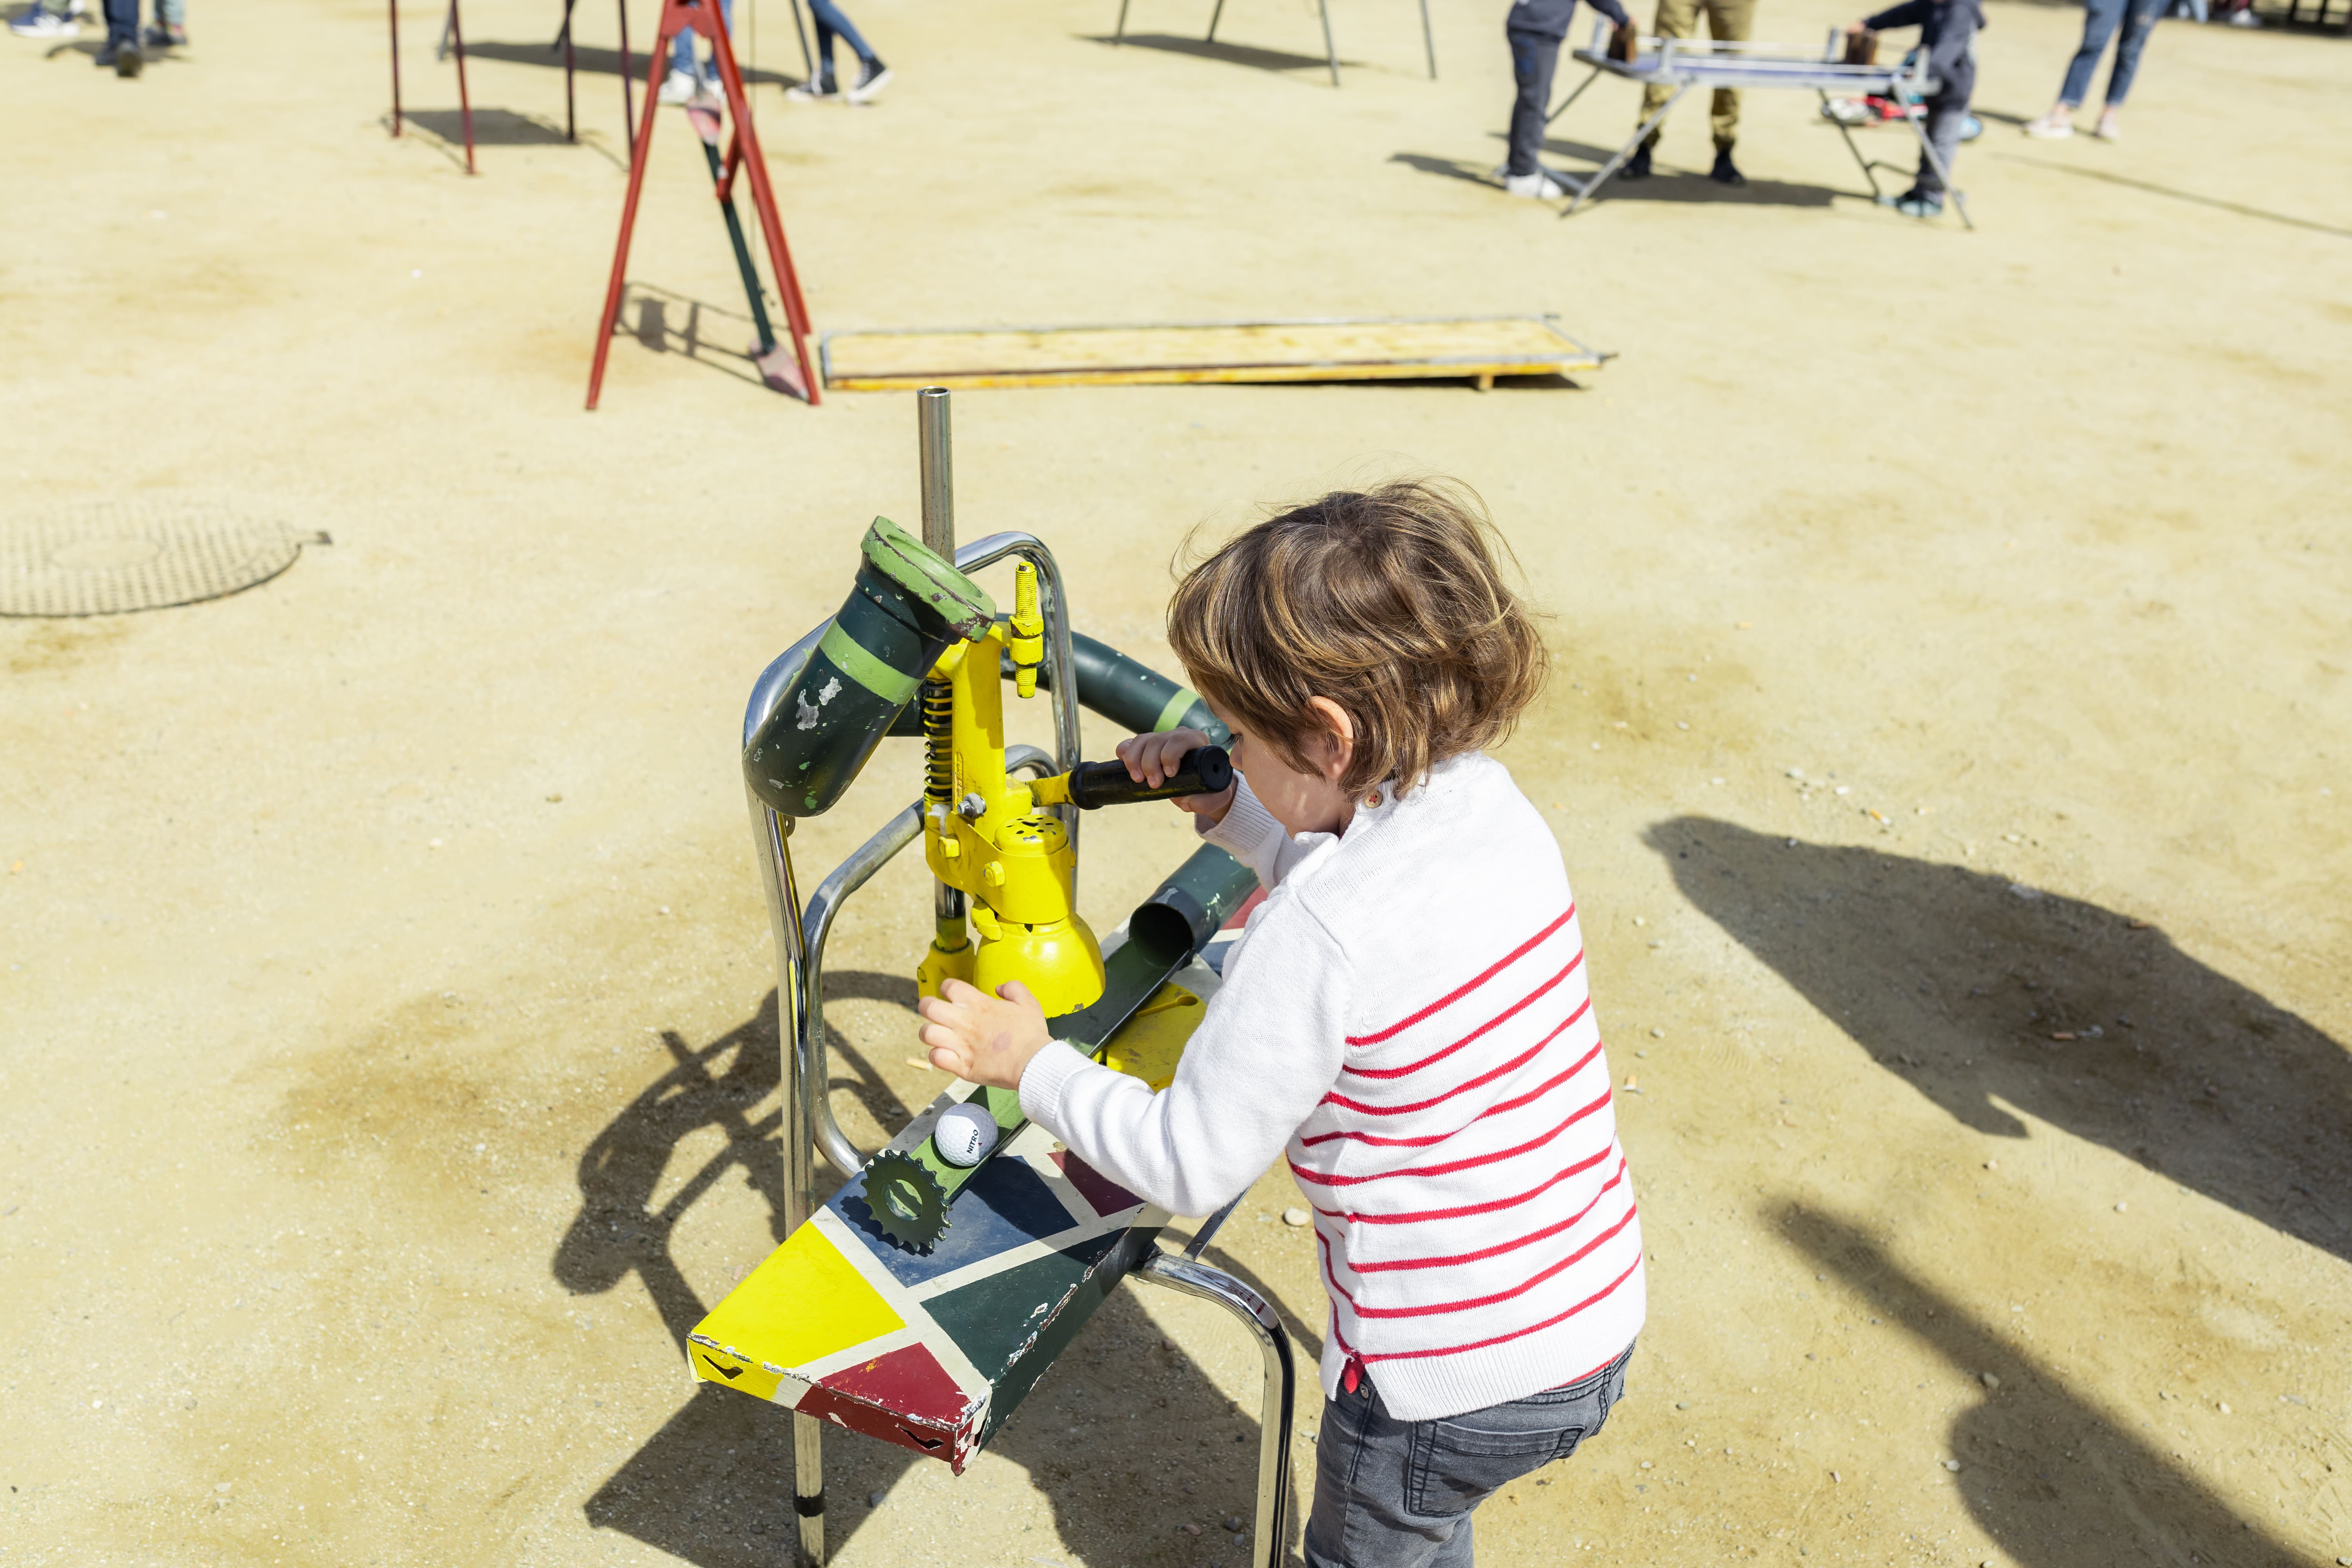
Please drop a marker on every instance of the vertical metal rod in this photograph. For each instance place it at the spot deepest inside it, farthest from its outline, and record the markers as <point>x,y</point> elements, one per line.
<point>465,103</point>
<point>936,454</point>
<point>571,108</point>
<point>802,1086</point>
<point>629,105</point>
<point>1428,40</point>
<point>1214,15</point>
<point>1330,50</point>
<point>394,7</point>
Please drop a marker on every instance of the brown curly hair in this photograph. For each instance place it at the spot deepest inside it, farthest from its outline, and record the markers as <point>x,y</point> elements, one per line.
<point>1390,602</point>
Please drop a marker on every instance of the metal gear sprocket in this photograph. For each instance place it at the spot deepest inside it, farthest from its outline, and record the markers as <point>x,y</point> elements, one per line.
<point>906,1200</point>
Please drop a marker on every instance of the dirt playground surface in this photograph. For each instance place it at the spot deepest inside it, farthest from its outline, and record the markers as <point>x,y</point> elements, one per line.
<point>1948,747</point>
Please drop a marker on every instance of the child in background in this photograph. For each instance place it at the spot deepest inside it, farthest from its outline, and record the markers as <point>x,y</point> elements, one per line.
<point>1948,31</point>
<point>1534,29</point>
<point>1406,1015</point>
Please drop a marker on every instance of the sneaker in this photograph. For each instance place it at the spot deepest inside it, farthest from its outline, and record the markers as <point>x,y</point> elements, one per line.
<point>1539,186</point>
<point>2050,127</point>
<point>2245,18</point>
<point>1637,167</point>
<point>1726,172</point>
<point>681,88</point>
<point>171,36</point>
<point>871,79</point>
<point>821,90</point>
<point>1916,202</point>
<point>41,23</point>
<point>123,56</point>
<point>2108,129</point>
<point>1971,128</point>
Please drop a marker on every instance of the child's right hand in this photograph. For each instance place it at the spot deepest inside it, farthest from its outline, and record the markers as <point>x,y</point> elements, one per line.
<point>1152,759</point>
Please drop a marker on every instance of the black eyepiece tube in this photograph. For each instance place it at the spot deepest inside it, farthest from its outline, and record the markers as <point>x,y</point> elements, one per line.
<point>1207,770</point>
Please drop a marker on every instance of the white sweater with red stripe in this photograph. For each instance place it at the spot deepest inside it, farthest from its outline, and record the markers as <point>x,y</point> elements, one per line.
<point>1407,1015</point>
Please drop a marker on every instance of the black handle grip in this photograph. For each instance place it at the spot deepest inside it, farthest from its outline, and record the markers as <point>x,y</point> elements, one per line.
<point>1207,770</point>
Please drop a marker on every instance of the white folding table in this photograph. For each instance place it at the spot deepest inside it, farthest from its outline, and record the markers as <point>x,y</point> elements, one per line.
<point>1686,63</point>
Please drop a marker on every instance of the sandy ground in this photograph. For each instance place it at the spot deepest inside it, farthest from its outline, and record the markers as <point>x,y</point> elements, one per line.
<point>1952,645</point>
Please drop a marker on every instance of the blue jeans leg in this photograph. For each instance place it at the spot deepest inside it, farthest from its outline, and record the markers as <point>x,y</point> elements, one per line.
<point>829,23</point>
<point>681,57</point>
<point>1533,59</point>
<point>2098,25</point>
<point>1401,1494</point>
<point>121,21</point>
<point>2137,26</point>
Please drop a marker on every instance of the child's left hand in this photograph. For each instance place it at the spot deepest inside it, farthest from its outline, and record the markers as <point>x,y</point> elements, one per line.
<point>987,1039</point>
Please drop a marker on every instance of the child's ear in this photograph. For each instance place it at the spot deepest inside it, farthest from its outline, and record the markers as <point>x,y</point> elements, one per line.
<point>1337,737</point>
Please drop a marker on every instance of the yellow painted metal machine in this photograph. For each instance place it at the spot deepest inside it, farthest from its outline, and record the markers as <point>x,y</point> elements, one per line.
<point>920,1302</point>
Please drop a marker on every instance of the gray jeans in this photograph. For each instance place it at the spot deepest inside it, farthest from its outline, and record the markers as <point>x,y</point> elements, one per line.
<point>1398,1494</point>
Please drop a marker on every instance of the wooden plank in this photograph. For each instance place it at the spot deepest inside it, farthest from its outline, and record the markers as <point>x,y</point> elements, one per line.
<point>1472,347</point>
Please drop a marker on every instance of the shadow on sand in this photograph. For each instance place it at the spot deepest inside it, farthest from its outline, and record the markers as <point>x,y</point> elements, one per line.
<point>2055,1482</point>
<point>1980,993</point>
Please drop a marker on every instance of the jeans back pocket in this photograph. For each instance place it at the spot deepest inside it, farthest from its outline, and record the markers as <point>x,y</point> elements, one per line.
<point>1453,1464</point>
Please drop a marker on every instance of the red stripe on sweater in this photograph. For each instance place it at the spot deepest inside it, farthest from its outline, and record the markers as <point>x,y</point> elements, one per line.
<point>1505,1016</point>
<point>1336,1097</point>
<point>1321,1179</point>
<point>1532,1095</point>
<point>1466,1210</point>
<point>1499,1248</point>
<point>1474,1302</point>
<point>1597,1296</point>
<point>1459,991</point>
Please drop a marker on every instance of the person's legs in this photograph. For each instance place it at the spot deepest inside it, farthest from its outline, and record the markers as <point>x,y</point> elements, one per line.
<point>1400,1494</point>
<point>681,58</point>
<point>830,21</point>
<point>1533,60</point>
<point>1733,21</point>
<point>2099,21</point>
<point>1953,64</point>
<point>2138,23</point>
<point>1676,19</point>
<point>121,48</point>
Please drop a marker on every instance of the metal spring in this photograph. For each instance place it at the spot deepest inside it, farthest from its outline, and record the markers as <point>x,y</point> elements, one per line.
<point>938,733</point>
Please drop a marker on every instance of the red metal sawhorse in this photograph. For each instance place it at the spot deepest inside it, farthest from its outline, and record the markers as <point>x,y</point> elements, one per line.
<point>742,152</point>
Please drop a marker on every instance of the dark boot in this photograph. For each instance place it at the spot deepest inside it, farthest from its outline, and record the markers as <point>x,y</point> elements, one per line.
<point>1724,172</point>
<point>1637,167</point>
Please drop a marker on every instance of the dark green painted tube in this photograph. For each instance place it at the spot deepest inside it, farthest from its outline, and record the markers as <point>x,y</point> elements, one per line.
<point>1131,693</point>
<point>904,608</point>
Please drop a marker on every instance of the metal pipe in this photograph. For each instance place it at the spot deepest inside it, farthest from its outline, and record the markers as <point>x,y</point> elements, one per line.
<point>938,470</point>
<point>936,460</point>
<point>773,833</point>
<point>1191,1279</point>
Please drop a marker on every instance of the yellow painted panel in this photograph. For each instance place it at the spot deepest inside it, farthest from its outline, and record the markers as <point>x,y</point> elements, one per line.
<point>732,1372</point>
<point>1148,1046</point>
<point>803,1302</point>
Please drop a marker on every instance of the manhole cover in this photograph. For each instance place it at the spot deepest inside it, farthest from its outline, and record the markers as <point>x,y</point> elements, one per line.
<point>106,558</point>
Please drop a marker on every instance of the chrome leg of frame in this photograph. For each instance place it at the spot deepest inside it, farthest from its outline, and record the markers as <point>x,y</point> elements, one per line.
<point>803,1085</point>
<point>1209,1284</point>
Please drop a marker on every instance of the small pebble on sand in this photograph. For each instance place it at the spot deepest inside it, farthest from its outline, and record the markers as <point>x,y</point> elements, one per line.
<point>1232,1522</point>
<point>1989,1380</point>
<point>1951,1464</point>
<point>2121,1207</point>
<point>1295,1216</point>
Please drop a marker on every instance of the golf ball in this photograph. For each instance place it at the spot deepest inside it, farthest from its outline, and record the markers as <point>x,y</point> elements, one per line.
<point>964,1135</point>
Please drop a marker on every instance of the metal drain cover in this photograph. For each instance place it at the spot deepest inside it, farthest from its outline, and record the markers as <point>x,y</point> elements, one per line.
<point>106,558</point>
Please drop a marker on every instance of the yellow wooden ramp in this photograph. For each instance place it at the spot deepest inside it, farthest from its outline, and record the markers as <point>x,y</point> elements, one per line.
<point>1432,348</point>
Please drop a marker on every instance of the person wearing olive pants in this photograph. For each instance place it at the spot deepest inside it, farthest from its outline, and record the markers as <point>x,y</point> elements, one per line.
<point>1728,20</point>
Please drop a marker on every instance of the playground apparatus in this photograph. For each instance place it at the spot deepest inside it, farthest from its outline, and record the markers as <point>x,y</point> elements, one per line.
<point>923,1300</point>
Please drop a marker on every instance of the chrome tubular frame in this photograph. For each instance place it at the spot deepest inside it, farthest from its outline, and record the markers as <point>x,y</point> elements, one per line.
<point>810,1127</point>
<point>1190,1278</point>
